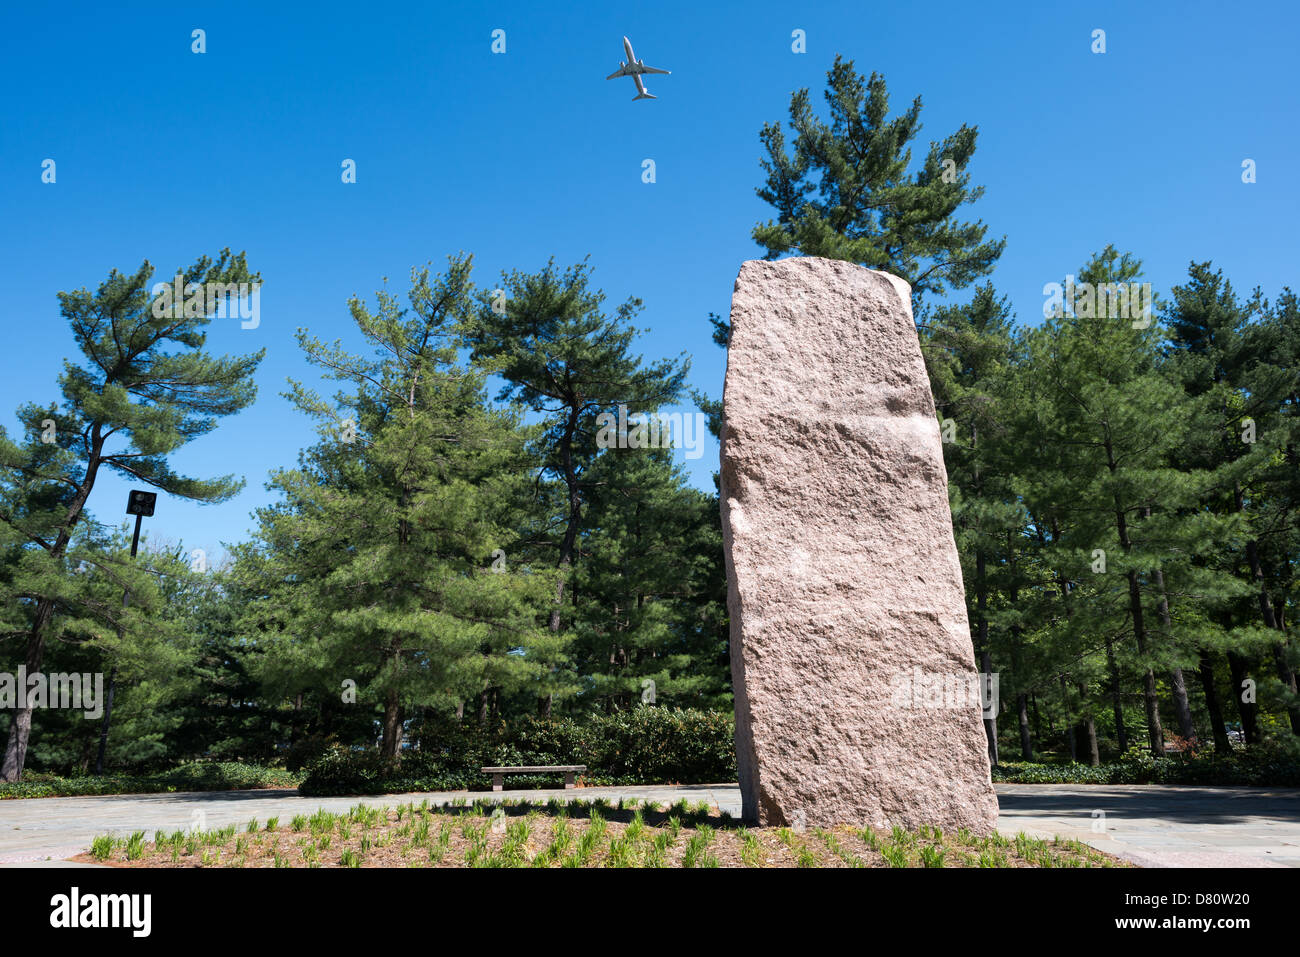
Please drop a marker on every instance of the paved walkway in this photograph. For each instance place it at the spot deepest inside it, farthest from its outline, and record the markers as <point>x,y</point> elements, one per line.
<point>1147,824</point>
<point>1162,826</point>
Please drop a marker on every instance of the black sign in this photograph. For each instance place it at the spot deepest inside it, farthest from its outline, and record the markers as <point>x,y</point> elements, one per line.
<point>141,503</point>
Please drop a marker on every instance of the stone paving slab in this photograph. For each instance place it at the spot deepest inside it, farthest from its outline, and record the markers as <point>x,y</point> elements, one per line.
<point>1150,825</point>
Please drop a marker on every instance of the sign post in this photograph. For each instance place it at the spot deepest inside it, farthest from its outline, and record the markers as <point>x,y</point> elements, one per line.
<point>139,504</point>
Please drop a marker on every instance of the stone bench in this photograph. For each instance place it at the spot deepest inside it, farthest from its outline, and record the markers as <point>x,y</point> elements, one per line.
<point>499,774</point>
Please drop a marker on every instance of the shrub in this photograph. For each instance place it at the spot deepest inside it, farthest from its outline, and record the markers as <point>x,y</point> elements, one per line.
<point>646,745</point>
<point>195,776</point>
<point>1275,763</point>
<point>304,752</point>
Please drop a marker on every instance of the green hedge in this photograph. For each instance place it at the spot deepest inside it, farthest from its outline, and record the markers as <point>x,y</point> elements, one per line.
<point>196,776</point>
<point>647,745</point>
<point>1274,763</point>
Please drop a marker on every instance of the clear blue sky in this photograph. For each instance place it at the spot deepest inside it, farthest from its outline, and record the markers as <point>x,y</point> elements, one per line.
<point>164,154</point>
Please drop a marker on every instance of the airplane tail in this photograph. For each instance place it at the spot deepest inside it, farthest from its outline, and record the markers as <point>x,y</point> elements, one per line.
<point>644,96</point>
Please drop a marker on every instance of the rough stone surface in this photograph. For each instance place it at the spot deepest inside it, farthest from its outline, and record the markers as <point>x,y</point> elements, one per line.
<point>843,582</point>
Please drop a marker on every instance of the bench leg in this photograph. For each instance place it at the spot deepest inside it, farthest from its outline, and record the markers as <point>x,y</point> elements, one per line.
<point>568,780</point>
<point>498,782</point>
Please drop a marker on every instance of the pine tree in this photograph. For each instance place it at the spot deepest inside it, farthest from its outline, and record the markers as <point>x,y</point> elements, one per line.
<point>147,388</point>
<point>1112,419</point>
<point>562,357</point>
<point>969,352</point>
<point>1225,361</point>
<point>845,191</point>
<point>649,617</point>
<point>377,566</point>
<point>1280,552</point>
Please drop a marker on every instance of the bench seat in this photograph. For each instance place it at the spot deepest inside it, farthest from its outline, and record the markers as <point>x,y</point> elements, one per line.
<point>499,773</point>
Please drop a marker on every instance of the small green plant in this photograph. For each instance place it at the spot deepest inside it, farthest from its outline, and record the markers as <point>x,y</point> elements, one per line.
<point>696,852</point>
<point>101,848</point>
<point>837,848</point>
<point>894,855</point>
<point>932,856</point>
<point>657,854</point>
<point>635,828</point>
<point>620,853</point>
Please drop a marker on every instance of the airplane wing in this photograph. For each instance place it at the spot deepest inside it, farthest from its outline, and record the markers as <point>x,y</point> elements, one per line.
<point>650,69</point>
<point>621,71</point>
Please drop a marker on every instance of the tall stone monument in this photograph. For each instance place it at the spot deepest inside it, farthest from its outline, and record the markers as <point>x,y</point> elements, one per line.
<point>857,699</point>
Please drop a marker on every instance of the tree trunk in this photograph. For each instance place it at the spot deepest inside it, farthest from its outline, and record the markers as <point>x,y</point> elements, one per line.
<point>1117,701</point>
<point>1270,619</point>
<point>1178,683</point>
<point>990,724</point>
<point>1090,727</point>
<point>568,544</point>
<point>108,717</point>
<point>1281,651</point>
<point>20,728</point>
<point>1026,744</point>
<point>1219,732</point>
<point>392,730</point>
<point>1287,675</point>
<point>1155,734</point>
<point>1240,673</point>
<point>982,646</point>
<point>1186,727</point>
<point>1069,723</point>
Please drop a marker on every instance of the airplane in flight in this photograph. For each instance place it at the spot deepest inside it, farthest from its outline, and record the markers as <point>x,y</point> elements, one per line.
<point>635,68</point>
